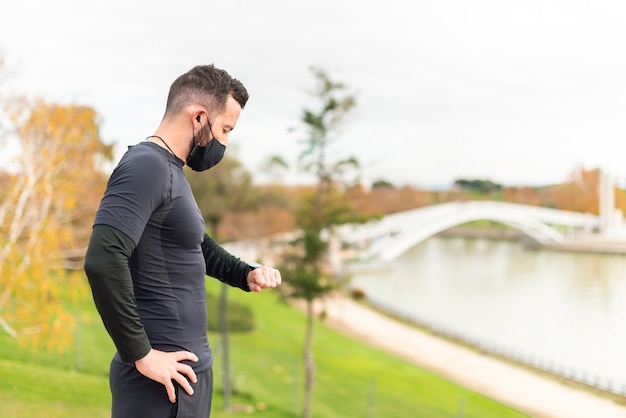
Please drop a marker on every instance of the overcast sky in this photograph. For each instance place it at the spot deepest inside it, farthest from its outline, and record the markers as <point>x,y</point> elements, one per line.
<point>519,92</point>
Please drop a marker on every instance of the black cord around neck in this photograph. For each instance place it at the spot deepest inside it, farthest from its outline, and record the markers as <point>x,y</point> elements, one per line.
<point>162,140</point>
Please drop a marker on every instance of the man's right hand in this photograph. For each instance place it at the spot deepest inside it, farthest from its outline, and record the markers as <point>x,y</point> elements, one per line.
<point>164,367</point>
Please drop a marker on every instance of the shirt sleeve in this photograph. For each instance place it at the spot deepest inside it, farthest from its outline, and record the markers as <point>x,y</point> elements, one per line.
<point>106,266</point>
<point>138,186</point>
<point>224,266</point>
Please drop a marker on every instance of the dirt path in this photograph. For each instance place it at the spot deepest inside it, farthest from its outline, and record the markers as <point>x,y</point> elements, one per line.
<point>529,392</point>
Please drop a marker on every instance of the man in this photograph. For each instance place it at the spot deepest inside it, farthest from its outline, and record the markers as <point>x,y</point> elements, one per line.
<point>148,254</point>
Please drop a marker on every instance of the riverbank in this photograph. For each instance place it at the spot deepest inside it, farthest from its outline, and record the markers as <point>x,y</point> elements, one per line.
<point>535,394</point>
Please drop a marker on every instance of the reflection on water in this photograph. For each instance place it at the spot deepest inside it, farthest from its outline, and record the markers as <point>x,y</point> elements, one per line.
<point>565,307</point>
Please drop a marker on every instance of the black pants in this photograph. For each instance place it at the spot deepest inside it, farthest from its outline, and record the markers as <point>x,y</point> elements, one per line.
<point>136,396</point>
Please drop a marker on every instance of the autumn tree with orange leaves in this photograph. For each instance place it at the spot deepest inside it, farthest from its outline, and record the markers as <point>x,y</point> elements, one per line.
<point>47,201</point>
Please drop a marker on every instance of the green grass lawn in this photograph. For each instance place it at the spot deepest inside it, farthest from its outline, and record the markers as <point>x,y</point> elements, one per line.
<point>352,379</point>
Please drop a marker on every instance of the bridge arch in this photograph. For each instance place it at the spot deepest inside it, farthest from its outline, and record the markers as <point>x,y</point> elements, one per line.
<point>396,233</point>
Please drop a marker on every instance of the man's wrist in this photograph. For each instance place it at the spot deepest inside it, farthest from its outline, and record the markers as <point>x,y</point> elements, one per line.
<point>253,266</point>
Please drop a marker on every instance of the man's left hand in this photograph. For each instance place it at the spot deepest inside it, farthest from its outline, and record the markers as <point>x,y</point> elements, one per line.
<point>263,277</point>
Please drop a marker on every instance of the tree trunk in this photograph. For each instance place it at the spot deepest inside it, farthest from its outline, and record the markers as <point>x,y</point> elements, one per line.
<point>308,363</point>
<point>226,378</point>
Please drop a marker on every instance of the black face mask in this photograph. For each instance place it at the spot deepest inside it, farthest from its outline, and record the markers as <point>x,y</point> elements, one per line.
<point>202,158</point>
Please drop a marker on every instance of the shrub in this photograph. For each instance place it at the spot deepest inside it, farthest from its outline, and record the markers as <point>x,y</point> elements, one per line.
<point>357,294</point>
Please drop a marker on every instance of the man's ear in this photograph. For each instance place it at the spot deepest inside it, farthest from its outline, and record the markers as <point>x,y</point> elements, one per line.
<point>196,111</point>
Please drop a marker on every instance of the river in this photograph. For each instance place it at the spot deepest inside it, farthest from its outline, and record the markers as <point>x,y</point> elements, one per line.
<point>564,308</point>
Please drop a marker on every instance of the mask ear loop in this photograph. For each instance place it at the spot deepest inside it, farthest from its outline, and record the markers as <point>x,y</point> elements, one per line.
<point>196,145</point>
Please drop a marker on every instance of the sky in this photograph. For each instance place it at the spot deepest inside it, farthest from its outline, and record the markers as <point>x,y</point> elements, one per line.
<point>517,92</point>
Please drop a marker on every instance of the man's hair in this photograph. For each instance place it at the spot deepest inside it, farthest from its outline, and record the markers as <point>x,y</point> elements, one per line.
<point>205,85</point>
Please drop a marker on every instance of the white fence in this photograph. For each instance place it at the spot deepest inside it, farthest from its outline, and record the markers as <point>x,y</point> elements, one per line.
<point>550,366</point>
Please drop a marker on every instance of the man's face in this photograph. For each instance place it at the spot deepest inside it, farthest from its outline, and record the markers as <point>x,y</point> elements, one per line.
<point>223,123</point>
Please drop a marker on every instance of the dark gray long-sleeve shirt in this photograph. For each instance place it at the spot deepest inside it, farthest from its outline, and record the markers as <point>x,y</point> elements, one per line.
<point>148,256</point>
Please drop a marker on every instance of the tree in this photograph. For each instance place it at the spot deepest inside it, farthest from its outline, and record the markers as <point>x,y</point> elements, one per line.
<point>46,209</point>
<point>276,167</point>
<point>309,271</point>
<point>378,184</point>
<point>479,187</point>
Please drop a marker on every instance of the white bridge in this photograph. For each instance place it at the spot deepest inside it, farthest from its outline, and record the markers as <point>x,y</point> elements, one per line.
<point>394,234</point>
